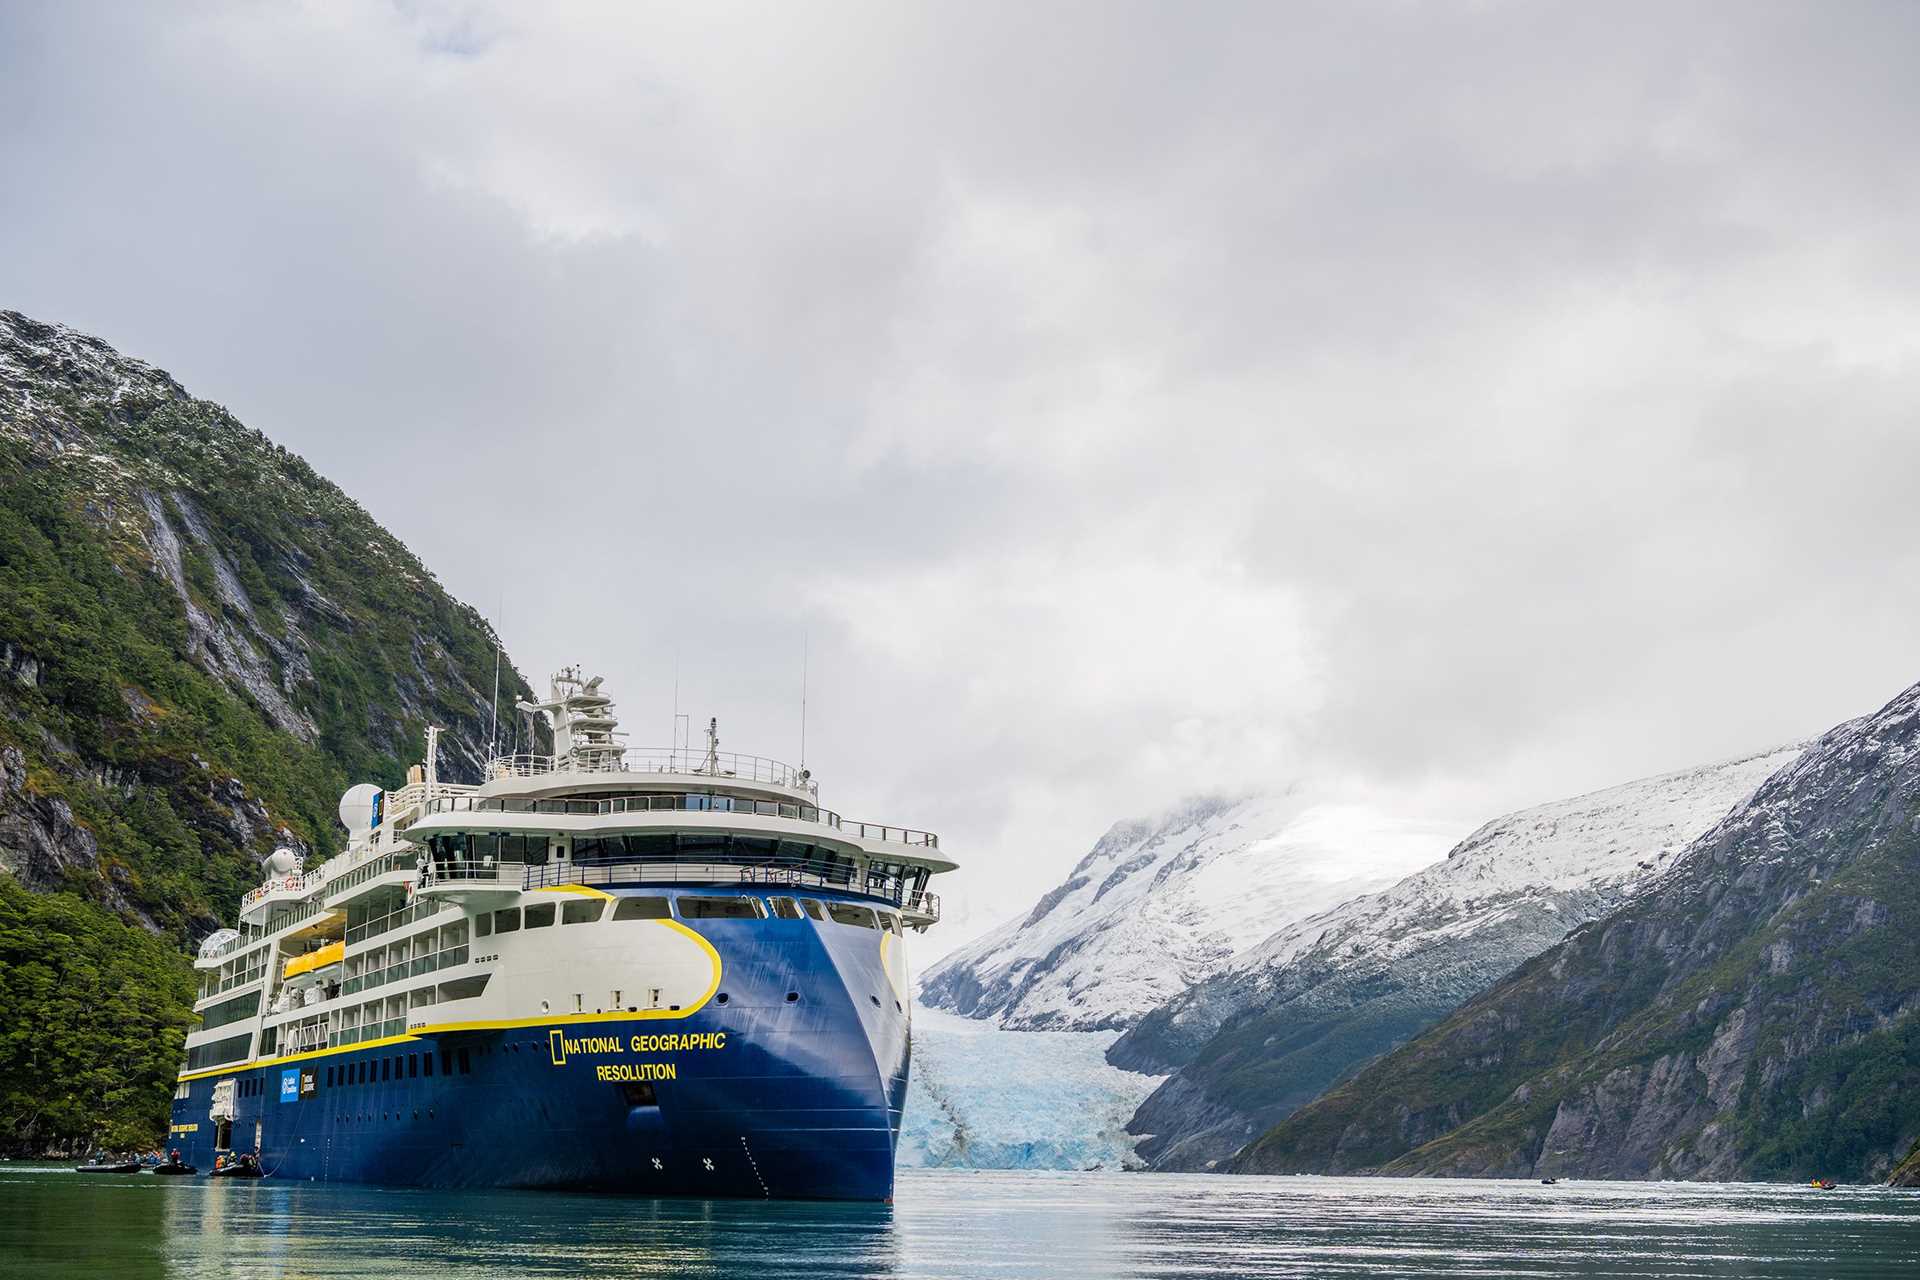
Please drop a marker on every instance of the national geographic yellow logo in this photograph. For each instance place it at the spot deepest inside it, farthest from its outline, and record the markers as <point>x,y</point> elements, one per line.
<point>560,1046</point>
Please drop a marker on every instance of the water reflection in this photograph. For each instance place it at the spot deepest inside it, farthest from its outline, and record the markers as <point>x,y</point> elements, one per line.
<point>953,1225</point>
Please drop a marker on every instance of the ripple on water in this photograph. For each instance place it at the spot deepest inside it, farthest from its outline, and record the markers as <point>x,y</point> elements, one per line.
<point>957,1225</point>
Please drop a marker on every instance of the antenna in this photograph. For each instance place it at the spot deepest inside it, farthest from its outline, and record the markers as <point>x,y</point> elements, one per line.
<point>806,641</point>
<point>493,723</point>
<point>674,740</point>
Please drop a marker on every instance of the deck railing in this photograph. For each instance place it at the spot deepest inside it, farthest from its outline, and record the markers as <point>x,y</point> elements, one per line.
<point>687,802</point>
<point>718,764</point>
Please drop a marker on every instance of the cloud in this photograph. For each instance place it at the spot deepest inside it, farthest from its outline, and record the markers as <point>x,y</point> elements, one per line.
<point>1439,408</point>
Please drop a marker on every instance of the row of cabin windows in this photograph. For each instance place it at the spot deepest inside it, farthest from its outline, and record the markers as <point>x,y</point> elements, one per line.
<point>398,1066</point>
<point>660,846</point>
<point>589,910</point>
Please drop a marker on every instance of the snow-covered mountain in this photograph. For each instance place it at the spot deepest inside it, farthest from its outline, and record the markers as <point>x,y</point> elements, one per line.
<point>983,1098</point>
<point>1162,903</point>
<point>1284,1020</point>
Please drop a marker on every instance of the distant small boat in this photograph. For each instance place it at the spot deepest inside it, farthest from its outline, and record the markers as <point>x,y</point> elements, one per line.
<point>1823,1184</point>
<point>124,1166</point>
<point>173,1169</point>
<point>1548,1182</point>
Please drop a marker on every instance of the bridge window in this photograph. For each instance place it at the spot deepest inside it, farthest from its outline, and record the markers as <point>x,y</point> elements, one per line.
<point>786,909</point>
<point>540,915</point>
<point>722,909</point>
<point>813,908</point>
<point>846,913</point>
<point>582,910</point>
<point>641,909</point>
<point>483,926</point>
<point>506,920</point>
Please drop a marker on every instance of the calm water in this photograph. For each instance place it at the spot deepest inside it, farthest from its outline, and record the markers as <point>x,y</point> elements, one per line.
<point>967,1226</point>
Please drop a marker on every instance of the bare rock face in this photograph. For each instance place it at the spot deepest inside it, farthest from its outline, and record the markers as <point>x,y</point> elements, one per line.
<point>1289,1018</point>
<point>1748,1015</point>
<point>202,642</point>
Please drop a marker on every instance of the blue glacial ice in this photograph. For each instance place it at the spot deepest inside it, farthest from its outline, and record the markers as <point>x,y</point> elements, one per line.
<point>984,1098</point>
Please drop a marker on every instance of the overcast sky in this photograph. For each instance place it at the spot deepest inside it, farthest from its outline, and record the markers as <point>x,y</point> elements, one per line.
<point>1435,409</point>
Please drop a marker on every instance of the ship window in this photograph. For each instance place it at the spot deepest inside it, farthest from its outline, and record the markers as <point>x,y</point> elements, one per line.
<point>506,920</point>
<point>846,913</point>
<point>426,1063</point>
<point>386,1065</point>
<point>813,908</point>
<point>232,1049</point>
<point>722,909</point>
<point>483,846</point>
<point>482,926</point>
<point>446,1062</point>
<point>582,910</point>
<point>464,988</point>
<point>786,909</point>
<point>413,1067</point>
<point>540,915</point>
<point>640,909</point>
<point>466,1064</point>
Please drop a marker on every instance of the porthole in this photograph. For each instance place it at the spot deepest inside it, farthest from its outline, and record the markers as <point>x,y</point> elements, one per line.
<point>876,1001</point>
<point>792,996</point>
<point>722,997</point>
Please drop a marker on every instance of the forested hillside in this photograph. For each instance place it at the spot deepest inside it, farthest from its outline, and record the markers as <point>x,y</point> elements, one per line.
<point>202,644</point>
<point>1749,1016</point>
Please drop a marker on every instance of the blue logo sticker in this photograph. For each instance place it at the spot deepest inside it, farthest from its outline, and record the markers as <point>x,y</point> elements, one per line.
<point>289,1085</point>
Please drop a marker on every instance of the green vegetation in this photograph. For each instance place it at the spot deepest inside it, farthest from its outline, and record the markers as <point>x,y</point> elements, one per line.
<point>93,1065</point>
<point>204,644</point>
<point>1753,1018</point>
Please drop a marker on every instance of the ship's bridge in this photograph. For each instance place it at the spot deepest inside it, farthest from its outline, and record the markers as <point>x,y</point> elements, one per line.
<point>665,816</point>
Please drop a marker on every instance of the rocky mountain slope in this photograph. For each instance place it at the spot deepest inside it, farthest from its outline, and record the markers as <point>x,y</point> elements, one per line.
<point>202,643</point>
<point>1162,903</point>
<point>1286,1019</point>
<point>1749,1016</point>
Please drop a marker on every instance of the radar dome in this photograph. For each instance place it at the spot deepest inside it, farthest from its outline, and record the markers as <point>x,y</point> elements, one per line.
<point>282,862</point>
<point>356,807</point>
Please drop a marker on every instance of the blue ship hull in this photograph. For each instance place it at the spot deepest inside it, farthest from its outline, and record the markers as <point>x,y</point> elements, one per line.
<point>759,1096</point>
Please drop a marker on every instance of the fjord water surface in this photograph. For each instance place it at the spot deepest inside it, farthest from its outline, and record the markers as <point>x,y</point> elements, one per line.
<point>953,1225</point>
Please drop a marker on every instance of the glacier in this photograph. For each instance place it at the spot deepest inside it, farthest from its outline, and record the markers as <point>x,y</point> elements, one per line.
<point>984,1097</point>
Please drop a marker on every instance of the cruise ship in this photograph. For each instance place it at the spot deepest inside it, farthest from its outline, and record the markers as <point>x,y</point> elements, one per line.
<point>660,972</point>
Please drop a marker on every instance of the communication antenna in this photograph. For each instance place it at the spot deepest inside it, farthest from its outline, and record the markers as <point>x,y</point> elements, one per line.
<point>493,723</point>
<point>805,653</point>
